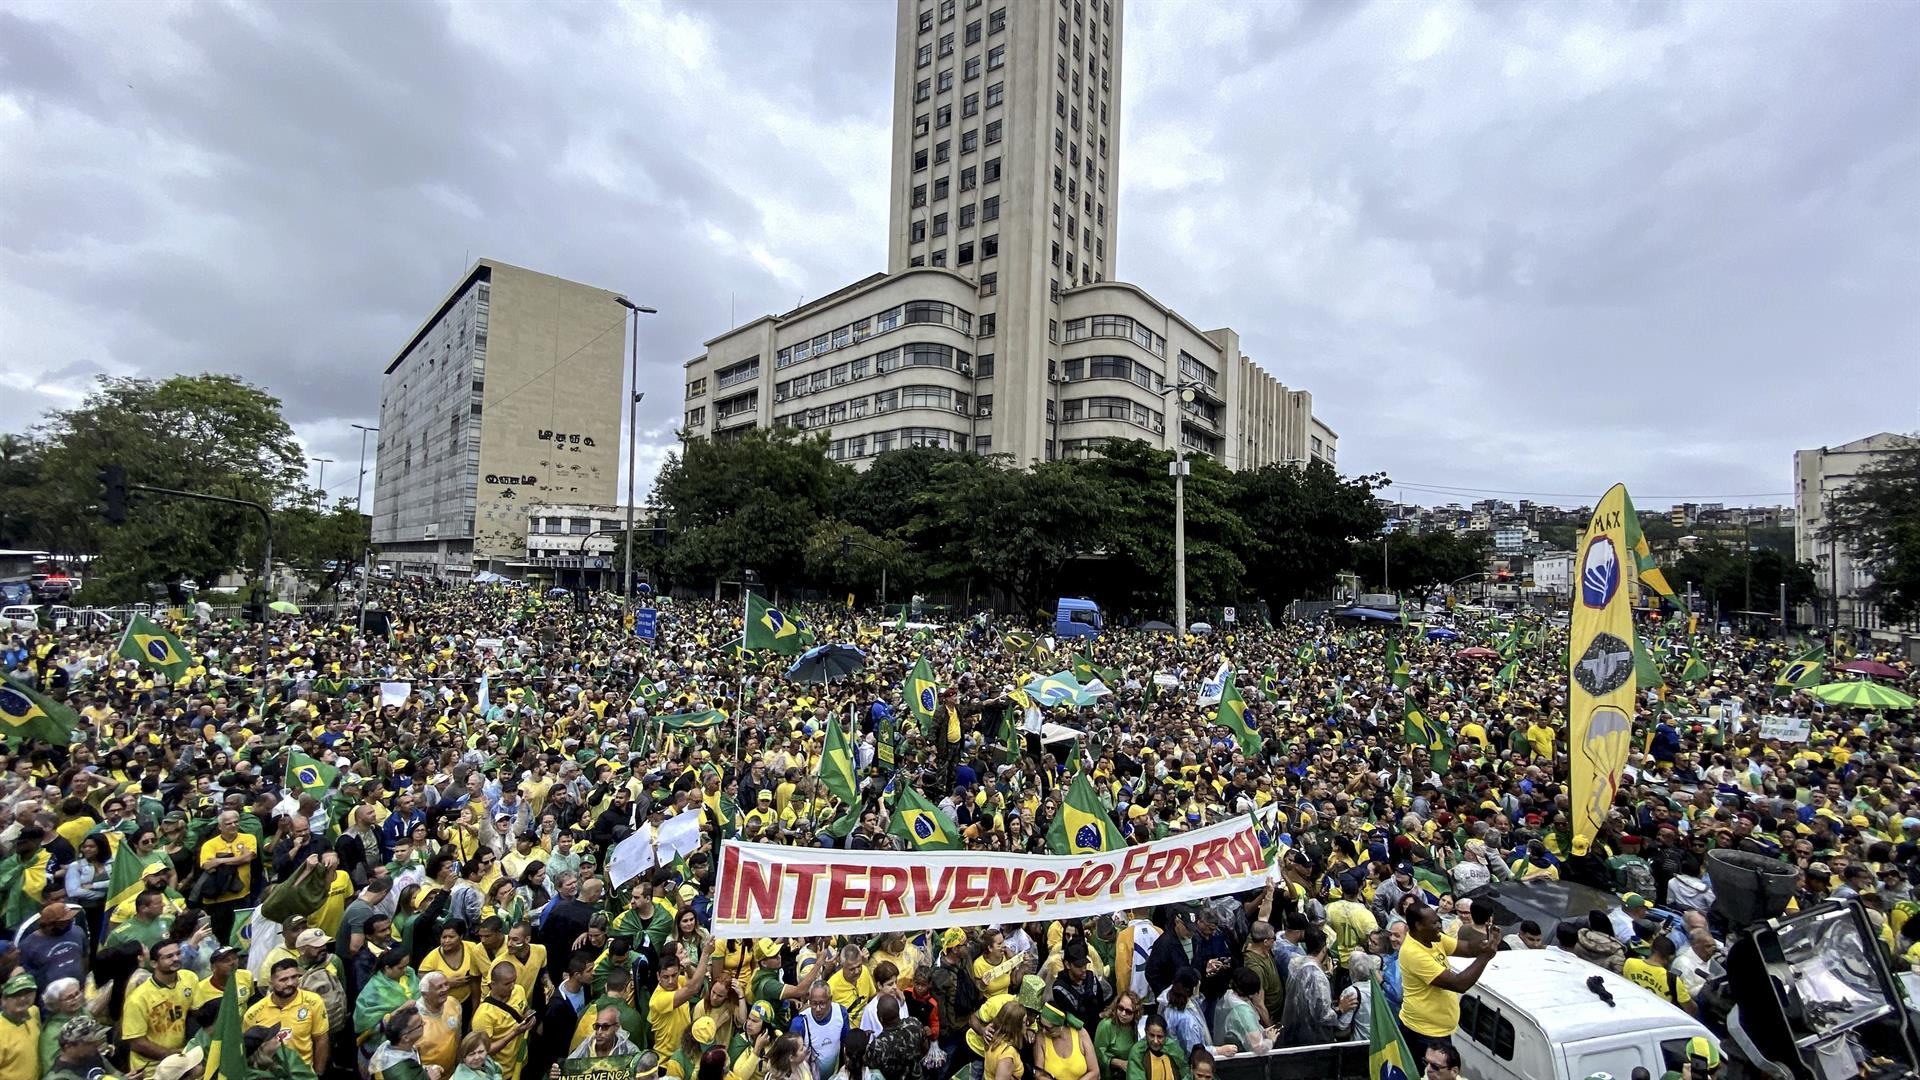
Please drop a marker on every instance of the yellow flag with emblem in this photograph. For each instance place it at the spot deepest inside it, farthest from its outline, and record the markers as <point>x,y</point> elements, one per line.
<point>1600,694</point>
<point>150,644</point>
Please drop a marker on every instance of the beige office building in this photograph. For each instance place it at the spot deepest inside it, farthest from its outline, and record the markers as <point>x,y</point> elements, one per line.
<point>507,396</point>
<point>1818,475</point>
<point>998,327</point>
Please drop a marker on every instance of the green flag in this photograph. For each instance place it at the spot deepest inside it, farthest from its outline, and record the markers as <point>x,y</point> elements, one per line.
<point>147,642</point>
<point>648,692</point>
<point>1232,715</point>
<point>1696,668</point>
<point>308,775</point>
<point>226,1056</point>
<point>242,936</point>
<point>1082,826</point>
<point>1016,745</point>
<point>1504,677</point>
<point>26,713</point>
<point>127,876</point>
<point>1418,730</point>
<point>1804,671</point>
<point>768,628</point>
<point>922,824</point>
<point>836,765</point>
<point>1075,760</point>
<point>841,826</point>
<point>1646,673</point>
<point>1083,666</point>
<point>923,696</point>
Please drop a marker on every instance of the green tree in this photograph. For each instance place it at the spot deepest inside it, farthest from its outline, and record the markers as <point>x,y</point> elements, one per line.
<point>1419,563</point>
<point>1876,518</point>
<point>20,459</point>
<point>1131,481</point>
<point>845,556</point>
<point>745,503</point>
<point>986,524</point>
<point>213,434</point>
<point>1722,576</point>
<point>326,544</point>
<point>1301,525</point>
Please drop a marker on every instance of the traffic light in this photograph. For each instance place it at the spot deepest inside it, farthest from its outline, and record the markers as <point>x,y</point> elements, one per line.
<point>113,494</point>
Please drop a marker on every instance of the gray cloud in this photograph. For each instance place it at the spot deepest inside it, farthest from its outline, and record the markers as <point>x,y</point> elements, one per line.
<point>1505,245</point>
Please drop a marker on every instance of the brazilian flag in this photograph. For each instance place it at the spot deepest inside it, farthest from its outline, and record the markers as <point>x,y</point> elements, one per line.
<point>836,765</point>
<point>1388,1057</point>
<point>128,874</point>
<point>226,1057</point>
<point>1082,827</point>
<point>151,645</point>
<point>1803,671</point>
<point>1646,673</point>
<point>922,824</point>
<point>768,628</point>
<point>1232,715</point>
<point>923,695</point>
<point>1418,730</point>
<point>26,713</point>
<point>309,775</point>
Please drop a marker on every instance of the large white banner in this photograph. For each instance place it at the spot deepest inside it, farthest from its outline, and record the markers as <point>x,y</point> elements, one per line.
<point>766,890</point>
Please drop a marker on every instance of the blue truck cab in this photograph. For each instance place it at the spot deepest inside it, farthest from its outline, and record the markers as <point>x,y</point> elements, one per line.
<point>1077,618</point>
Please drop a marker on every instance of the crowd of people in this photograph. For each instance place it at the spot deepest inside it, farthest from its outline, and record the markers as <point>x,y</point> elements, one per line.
<point>430,898</point>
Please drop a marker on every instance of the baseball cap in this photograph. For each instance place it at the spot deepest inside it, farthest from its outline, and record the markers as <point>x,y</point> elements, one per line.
<point>1634,900</point>
<point>311,938</point>
<point>703,1031</point>
<point>175,1066</point>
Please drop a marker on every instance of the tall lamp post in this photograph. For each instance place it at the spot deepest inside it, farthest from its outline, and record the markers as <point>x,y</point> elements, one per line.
<point>360,510</point>
<point>320,482</point>
<point>1180,470</point>
<point>633,438</point>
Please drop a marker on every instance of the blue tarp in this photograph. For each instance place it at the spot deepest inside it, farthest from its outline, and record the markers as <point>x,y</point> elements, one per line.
<point>1366,613</point>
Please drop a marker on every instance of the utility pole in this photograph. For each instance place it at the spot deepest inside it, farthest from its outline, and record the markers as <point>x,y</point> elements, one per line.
<point>360,508</point>
<point>320,482</point>
<point>633,439</point>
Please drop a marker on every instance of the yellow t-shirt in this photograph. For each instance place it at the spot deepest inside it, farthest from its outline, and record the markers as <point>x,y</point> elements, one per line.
<point>219,848</point>
<point>851,994</point>
<point>989,1009</point>
<point>1426,1008</point>
<point>339,894</point>
<point>494,1022</point>
<point>1542,739</point>
<point>158,1014</point>
<point>670,1022</point>
<point>75,830</point>
<point>440,1037</point>
<point>305,1018</point>
<point>1657,979</point>
<point>472,962</point>
<point>20,1047</point>
<point>204,990</point>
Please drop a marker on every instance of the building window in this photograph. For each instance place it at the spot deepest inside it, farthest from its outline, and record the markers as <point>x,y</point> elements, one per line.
<point>923,90</point>
<point>995,93</point>
<point>946,44</point>
<point>993,132</point>
<point>919,194</point>
<point>919,160</point>
<point>996,57</point>
<point>940,257</point>
<point>972,68</point>
<point>983,405</point>
<point>970,105</point>
<point>992,172</point>
<point>940,189</point>
<point>946,10</point>
<point>696,417</point>
<point>967,211</point>
<point>943,82</point>
<point>939,224</point>
<point>943,116</point>
<point>997,21</point>
<point>989,246</point>
<point>917,232</point>
<point>969,141</point>
<point>1059,108</point>
<point>917,260</point>
<point>966,255</point>
<point>696,388</point>
<point>926,20</point>
<point>942,151</point>
<point>968,180</point>
<point>989,284</point>
<point>986,325</point>
<point>973,31</point>
<point>990,208</point>
<point>924,56</point>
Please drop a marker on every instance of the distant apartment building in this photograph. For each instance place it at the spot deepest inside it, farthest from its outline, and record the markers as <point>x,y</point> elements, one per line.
<point>997,327</point>
<point>507,395</point>
<point>1818,475</point>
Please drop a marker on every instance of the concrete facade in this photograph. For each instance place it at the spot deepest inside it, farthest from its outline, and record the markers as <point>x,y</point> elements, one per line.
<point>509,394</point>
<point>1818,475</point>
<point>997,326</point>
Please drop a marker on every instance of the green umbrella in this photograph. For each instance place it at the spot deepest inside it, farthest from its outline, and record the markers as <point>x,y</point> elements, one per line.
<point>1868,695</point>
<point>284,607</point>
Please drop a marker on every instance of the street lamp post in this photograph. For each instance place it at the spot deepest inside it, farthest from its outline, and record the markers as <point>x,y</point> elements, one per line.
<point>1179,470</point>
<point>320,482</point>
<point>633,438</point>
<point>360,511</point>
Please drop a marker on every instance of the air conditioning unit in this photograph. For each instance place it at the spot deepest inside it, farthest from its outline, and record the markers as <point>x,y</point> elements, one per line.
<point>986,410</point>
<point>961,409</point>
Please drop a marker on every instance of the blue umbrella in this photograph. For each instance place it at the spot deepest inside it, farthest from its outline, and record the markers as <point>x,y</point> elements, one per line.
<point>825,663</point>
<point>1441,633</point>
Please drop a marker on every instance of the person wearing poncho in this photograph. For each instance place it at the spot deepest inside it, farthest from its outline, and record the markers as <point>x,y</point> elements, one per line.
<point>398,1057</point>
<point>392,989</point>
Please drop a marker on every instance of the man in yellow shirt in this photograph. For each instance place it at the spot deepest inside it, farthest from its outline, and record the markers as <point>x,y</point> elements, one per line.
<point>299,1012</point>
<point>20,1028</point>
<point>233,849</point>
<point>1430,1009</point>
<point>503,1020</point>
<point>667,1008</point>
<point>153,1022</point>
<point>1656,974</point>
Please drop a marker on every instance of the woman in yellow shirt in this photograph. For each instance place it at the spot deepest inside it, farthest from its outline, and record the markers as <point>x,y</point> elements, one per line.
<point>993,968</point>
<point>463,963</point>
<point>1006,1038</point>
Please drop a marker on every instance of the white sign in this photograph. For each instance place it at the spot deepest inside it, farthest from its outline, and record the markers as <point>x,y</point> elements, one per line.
<point>1226,615</point>
<point>1786,728</point>
<point>395,693</point>
<point>493,643</point>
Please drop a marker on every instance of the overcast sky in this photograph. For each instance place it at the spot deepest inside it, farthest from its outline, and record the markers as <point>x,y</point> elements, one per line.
<point>1506,246</point>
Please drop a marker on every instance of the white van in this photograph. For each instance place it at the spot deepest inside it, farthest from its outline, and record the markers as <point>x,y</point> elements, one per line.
<point>1532,1017</point>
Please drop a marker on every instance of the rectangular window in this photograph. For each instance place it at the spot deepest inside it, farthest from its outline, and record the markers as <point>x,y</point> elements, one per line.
<point>1059,106</point>
<point>941,152</point>
<point>946,44</point>
<point>1056,253</point>
<point>923,90</point>
<point>990,172</point>
<point>970,105</point>
<point>924,56</point>
<point>939,224</point>
<point>917,232</point>
<point>695,388</point>
<point>919,160</point>
<point>940,257</point>
<point>946,10</point>
<point>989,284</point>
<point>696,417</point>
<point>995,92</point>
<point>969,141</point>
<point>986,325</point>
<point>973,32</point>
<point>943,116</point>
<point>965,256</point>
<point>996,57</point>
<point>919,194</point>
<point>926,20</point>
<point>921,124</point>
<point>997,21</point>
<point>990,208</point>
<point>968,180</point>
<point>943,82</point>
<point>993,132</point>
<point>1059,141</point>
<point>940,188</point>
<point>989,247</point>
<point>973,68</point>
